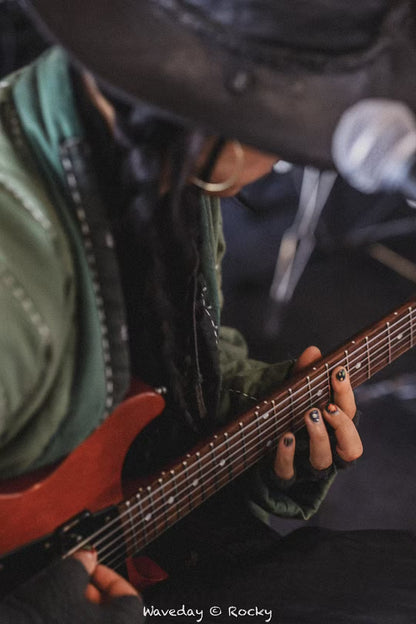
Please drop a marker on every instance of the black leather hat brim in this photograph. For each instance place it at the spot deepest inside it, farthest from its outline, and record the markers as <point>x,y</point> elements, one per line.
<point>290,107</point>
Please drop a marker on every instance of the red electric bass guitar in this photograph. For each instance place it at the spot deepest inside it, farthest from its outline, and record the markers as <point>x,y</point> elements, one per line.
<point>83,500</point>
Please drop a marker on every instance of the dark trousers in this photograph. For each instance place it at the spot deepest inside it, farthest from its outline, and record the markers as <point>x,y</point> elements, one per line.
<point>227,568</point>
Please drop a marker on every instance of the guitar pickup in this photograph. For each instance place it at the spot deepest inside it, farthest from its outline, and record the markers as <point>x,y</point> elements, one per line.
<point>81,529</point>
<point>72,532</point>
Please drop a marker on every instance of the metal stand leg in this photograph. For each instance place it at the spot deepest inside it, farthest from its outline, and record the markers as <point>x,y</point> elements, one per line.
<point>298,242</point>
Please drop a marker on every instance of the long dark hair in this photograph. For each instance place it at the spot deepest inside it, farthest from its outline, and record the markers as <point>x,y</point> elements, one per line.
<point>158,242</point>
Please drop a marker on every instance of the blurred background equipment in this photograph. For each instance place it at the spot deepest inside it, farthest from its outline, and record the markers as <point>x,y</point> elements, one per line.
<point>298,242</point>
<point>374,147</point>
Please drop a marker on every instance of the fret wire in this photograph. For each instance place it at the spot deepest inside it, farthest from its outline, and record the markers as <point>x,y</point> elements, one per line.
<point>168,498</point>
<point>174,480</point>
<point>389,340</point>
<point>149,517</point>
<point>169,489</point>
<point>201,479</point>
<point>165,509</point>
<point>328,375</point>
<point>368,358</point>
<point>308,381</point>
<point>227,452</point>
<point>346,360</point>
<point>242,436</point>
<point>212,447</point>
<point>140,502</point>
<point>186,478</point>
<point>257,424</point>
<point>274,416</point>
<point>292,409</point>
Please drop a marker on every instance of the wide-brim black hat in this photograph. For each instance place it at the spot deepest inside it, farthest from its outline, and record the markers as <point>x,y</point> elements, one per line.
<point>276,74</point>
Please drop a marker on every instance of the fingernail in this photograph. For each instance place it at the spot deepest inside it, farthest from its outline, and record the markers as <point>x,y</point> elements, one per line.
<point>331,408</point>
<point>89,549</point>
<point>288,441</point>
<point>314,416</point>
<point>341,375</point>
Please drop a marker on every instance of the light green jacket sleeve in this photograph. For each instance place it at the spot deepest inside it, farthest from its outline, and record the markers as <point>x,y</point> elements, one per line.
<point>37,294</point>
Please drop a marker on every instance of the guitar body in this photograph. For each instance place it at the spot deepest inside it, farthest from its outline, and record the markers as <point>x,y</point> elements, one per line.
<point>89,478</point>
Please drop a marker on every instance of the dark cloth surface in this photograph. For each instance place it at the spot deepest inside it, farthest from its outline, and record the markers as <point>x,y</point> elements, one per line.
<point>312,576</point>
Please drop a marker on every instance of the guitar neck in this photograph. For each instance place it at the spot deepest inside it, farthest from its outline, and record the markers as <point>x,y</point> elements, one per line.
<point>174,493</point>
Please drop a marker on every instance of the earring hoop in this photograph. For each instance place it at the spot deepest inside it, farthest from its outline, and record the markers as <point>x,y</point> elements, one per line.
<point>218,187</point>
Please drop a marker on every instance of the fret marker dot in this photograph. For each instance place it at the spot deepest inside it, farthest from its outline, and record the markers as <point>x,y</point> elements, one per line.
<point>148,517</point>
<point>222,462</point>
<point>269,443</point>
<point>319,393</point>
<point>195,482</point>
<point>266,415</point>
<point>400,336</point>
<point>171,500</point>
<point>358,365</point>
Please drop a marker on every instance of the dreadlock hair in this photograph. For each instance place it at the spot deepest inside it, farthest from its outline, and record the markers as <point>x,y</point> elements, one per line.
<point>158,247</point>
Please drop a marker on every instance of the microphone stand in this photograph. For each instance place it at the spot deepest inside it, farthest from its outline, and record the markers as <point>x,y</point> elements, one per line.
<point>297,244</point>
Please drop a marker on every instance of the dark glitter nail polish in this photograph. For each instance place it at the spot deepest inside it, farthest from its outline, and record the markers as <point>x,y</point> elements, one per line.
<point>331,408</point>
<point>341,375</point>
<point>288,441</point>
<point>314,416</point>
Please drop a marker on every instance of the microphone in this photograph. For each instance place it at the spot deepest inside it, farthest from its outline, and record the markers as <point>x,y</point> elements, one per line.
<point>374,147</point>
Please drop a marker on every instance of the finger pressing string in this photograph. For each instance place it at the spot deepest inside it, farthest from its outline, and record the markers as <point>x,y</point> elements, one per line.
<point>320,455</point>
<point>349,446</point>
<point>283,465</point>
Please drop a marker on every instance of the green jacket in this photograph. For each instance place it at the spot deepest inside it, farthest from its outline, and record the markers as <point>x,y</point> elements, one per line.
<point>64,363</point>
